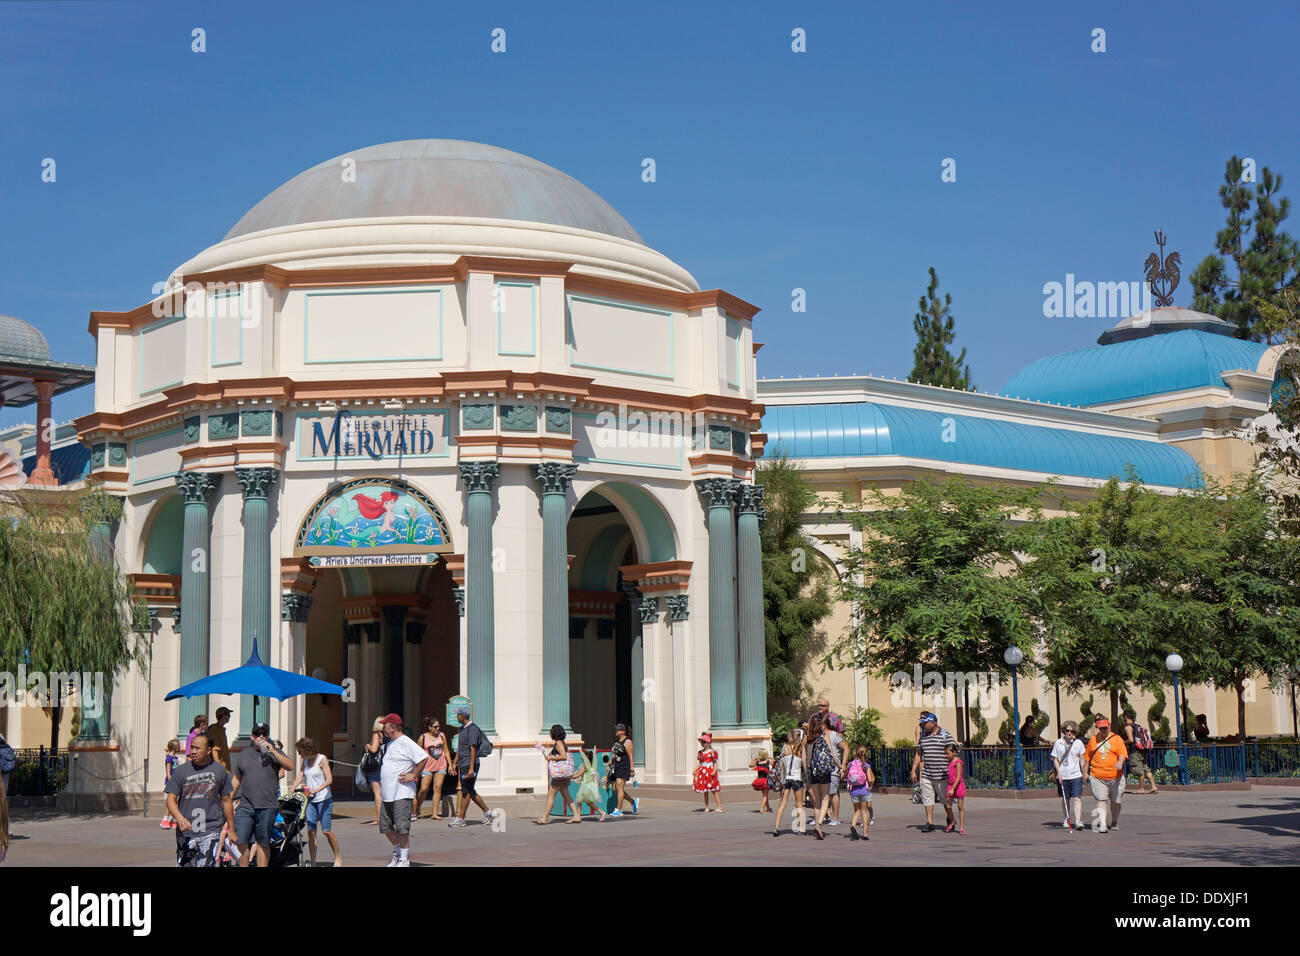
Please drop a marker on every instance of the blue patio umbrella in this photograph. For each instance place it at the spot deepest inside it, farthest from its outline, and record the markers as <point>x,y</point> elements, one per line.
<point>258,679</point>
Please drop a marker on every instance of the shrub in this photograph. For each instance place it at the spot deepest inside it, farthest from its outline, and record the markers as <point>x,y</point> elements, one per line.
<point>781,725</point>
<point>862,729</point>
<point>902,743</point>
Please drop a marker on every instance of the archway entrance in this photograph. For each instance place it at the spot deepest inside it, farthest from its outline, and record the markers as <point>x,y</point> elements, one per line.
<point>613,526</point>
<point>383,617</point>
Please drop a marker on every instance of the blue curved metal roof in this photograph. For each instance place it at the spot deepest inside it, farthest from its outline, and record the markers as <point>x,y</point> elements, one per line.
<point>866,429</point>
<point>1149,366</point>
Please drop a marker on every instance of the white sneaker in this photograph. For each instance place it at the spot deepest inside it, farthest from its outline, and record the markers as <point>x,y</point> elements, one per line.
<point>403,862</point>
<point>394,861</point>
<point>832,822</point>
<point>456,822</point>
<point>489,815</point>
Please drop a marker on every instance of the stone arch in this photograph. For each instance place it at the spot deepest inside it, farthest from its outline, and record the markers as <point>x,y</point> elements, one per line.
<point>162,549</point>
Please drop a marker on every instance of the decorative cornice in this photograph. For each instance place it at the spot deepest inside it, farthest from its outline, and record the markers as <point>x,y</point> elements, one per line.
<point>479,476</point>
<point>255,481</point>
<point>660,577</point>
<point>554,476</point>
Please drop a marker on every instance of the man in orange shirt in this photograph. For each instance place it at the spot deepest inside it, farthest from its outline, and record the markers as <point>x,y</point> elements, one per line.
<point>1103,771</point>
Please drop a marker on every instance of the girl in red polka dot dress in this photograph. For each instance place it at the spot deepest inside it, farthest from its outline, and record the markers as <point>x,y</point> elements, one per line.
<point>706,774</point>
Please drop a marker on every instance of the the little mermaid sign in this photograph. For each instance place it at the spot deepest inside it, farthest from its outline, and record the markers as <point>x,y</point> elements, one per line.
<point>374,521</point>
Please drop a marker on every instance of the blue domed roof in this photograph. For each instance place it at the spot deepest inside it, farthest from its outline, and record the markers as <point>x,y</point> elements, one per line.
<point>871,429</point>
<point>435,177</point>
<point>1154,365</point>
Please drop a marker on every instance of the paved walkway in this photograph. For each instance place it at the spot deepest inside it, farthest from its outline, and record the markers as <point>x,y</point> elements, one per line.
<point>1236,828</point>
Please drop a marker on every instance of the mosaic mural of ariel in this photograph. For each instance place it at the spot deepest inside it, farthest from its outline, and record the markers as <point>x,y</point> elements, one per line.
<point>374,514</point>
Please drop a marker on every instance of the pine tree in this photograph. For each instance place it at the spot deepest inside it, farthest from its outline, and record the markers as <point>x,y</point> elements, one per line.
<point>1263,254</point>
<point>933,363</point>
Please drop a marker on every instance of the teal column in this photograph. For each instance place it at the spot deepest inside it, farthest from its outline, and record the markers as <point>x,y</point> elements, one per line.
<point>96,726</point>
<point>196,543</point>
<point>719,494</point>
<point>480,637</point>
<point>255,621</point>
<point>554,478</point>
<point>749,584</point>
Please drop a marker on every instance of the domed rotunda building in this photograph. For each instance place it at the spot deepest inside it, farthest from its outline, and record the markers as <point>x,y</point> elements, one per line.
<point>434,422</point>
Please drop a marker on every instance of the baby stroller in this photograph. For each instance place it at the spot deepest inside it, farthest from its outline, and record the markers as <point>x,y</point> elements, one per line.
<point>287,832</point>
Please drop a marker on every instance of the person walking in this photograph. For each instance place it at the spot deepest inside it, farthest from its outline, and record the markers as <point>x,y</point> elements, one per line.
<point>930,767</point>
<point>559,774</point>
<point>257,786</point>
<point>171,758</point>
<point>435,768</point>
<point>199,801</point>
<point>789,777</point>
<point>1069,775</point>
<point>1138,743</point>
<point>956,790</point>
<point>620,769</point>
<point>200,726</point>
<point>399,775</point>
<point>371,765</point>
<point>471,746</point>
<point>829,718</point>
<point>860,778</point>
<point>841,750</point>
<point>317,780</point>
<point>1103,772</point>
<point>588,792</point>
<point>705,779</point>
<point>762,766</point>
<point>217,734</point>
<point>821,768</point>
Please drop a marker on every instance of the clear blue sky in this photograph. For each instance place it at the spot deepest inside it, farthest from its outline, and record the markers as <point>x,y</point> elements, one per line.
<point>776,170</point>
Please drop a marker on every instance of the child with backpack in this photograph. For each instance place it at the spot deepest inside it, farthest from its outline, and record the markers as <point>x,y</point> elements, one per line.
<point>1139,747</point>
<point>956,788</point>
<point>860,780</point>
<point>762,765</point>
<point>173,754</point>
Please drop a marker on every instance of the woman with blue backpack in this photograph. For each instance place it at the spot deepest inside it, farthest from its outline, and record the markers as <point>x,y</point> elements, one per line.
<point>822,764</point>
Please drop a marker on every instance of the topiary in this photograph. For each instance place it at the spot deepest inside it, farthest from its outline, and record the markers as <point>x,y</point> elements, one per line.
<point>1157,723</point>
<point>981,728</point>
<point>1041,719</point>
<point>1088,718</point>
<point>1006,729</point>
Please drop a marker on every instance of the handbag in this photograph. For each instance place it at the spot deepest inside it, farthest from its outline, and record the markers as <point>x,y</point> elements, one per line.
<point>359,779</point>
<point>560,769</point>
<point>916,795</point>
<point>372,761</point>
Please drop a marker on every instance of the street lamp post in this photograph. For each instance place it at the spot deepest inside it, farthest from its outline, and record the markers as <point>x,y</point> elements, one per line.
<point>1175,664</point>
<point>1013,656</point>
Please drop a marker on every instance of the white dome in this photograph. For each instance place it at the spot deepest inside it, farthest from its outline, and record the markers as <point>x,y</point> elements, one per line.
<point>435,177</point>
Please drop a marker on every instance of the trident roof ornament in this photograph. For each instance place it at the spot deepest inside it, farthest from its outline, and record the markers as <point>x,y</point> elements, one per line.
<point>1162,272</point>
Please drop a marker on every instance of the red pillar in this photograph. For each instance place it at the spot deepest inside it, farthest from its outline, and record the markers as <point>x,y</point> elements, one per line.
<point>42,474</point>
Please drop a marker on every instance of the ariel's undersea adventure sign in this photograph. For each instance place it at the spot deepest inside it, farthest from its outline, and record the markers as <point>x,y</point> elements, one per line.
<point>370,521</point>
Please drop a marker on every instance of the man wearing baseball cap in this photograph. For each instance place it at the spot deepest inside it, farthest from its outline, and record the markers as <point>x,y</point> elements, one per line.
<point>930,765</point>
<point>257,787</point>
<point>398,776</point>
<point>1103,772</point>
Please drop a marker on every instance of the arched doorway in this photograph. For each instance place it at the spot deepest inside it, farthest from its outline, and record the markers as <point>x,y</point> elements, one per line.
<point>383,618</point>
<point>613,526</point>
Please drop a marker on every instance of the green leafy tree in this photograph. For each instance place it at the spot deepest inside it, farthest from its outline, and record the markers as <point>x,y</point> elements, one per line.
<point>1108,579</point>
<point>929,586</point>
<point>1250,589</point>
<point>933,362</point>
<point>64,605</point>
<point>796,578</point>
<point>1254,246</point>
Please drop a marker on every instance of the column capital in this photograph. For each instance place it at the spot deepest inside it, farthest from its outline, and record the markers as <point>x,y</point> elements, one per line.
<point>459,595</point>
<point>719,492</point>
<point>479,475</point>
<point>197,486</point>
<point>176,619</point>
<point>679,606</point>
<point>750,501</point>
<point>256,481</point>
<point>554,476</point>
<point>294,607</point>
<point>649,609</point>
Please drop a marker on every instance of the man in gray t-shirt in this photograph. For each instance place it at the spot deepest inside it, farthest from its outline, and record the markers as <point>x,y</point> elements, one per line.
<point>198,799</point>
<point>257,785</point>
<point>469,744</point>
